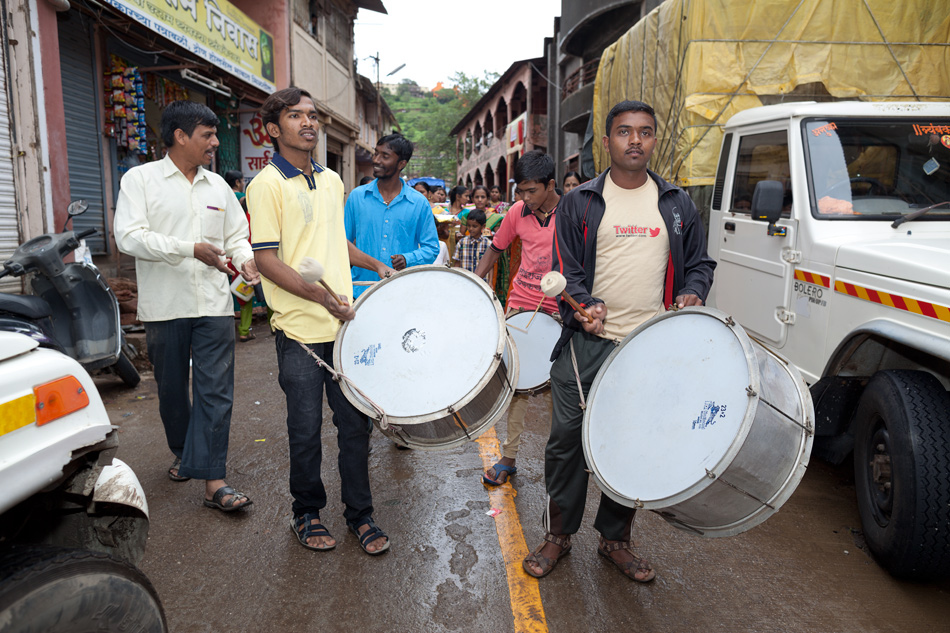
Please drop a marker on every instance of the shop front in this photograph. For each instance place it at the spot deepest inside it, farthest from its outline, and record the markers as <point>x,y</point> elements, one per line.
<point>122,63</point>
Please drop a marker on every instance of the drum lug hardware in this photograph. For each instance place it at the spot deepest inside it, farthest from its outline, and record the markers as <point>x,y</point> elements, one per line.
<point>450,410</point>
<point>749,390</point>
<point>710,474</point>
<point>730,321</point>
<point>498,356</point>
<point>637,504</point>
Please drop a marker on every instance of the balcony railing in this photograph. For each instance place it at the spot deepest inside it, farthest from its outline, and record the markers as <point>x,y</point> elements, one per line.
<point>581,77</point>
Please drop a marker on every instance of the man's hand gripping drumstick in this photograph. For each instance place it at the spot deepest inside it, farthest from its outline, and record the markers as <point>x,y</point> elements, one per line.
<point>312,272</point>
<point>592,320</point>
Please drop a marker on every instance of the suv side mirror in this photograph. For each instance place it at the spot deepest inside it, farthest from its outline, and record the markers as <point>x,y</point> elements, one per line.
<point>767,204</point>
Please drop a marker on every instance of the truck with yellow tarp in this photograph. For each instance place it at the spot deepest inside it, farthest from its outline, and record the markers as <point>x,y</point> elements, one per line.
<point>814,136</point>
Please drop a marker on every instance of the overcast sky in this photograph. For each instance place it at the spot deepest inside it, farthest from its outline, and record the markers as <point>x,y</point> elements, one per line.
<point>436,38</point>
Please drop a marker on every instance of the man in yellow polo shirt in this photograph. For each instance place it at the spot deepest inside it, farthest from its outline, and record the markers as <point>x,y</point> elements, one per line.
<point>297,211</point>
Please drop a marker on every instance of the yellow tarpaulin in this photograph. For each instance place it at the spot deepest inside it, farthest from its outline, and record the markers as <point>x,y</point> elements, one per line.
<point>698,62</point>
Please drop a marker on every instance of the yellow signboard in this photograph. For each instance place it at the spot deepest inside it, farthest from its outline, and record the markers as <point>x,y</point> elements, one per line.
<point>215,30</point>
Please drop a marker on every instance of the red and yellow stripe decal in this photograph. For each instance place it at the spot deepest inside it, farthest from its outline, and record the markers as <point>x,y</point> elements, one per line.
<point>813,278</point>
<point>923,308</point>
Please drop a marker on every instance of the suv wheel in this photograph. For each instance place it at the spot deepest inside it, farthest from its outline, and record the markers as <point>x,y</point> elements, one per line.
<point>54,589</point>
<point>901,466</point>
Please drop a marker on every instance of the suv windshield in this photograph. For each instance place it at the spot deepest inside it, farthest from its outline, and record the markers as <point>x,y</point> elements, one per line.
<point>873,169</point>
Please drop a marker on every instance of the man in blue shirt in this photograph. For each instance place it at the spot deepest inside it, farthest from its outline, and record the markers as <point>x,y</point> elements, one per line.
<point>387,219</point>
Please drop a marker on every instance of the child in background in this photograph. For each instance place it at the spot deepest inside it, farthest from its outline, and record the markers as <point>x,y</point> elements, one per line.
<point>472,247</point>
<point>442,228</point>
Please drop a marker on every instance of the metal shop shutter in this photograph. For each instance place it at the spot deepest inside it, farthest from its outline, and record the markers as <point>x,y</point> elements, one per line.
<point>81,102</point>
<point>9,229</point>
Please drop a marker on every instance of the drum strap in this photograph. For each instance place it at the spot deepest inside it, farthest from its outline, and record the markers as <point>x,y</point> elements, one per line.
<point>577,376</point>
<point>339,376</point>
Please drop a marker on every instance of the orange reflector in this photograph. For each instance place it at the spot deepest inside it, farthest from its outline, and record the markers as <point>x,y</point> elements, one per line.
<point>17,413</point>
<point>58,398</point>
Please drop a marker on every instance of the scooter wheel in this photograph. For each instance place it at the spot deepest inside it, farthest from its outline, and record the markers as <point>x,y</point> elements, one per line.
<point>125,370</point>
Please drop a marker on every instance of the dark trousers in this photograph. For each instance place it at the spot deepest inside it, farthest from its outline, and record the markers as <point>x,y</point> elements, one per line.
<point>565,467</point>
<point>304,382</point>
<point>197,433</point>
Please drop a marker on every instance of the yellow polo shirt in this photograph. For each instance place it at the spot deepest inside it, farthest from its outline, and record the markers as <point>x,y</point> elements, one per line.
<point>301,216</point>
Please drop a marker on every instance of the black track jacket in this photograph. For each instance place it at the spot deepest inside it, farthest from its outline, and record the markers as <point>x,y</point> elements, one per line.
<point>690,269</point>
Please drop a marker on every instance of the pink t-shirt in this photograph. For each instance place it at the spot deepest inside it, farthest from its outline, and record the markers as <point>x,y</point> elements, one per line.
<point>537,244</point>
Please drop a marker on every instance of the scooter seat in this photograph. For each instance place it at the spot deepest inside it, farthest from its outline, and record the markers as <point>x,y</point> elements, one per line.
<point>26,306</point>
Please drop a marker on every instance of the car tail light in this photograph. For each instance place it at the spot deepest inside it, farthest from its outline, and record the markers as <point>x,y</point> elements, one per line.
<point>58,398</point>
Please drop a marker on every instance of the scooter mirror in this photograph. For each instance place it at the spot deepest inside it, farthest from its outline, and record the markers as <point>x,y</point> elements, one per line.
<point>77,207</point>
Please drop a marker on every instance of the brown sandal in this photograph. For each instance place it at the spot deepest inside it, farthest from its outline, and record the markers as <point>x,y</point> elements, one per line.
<point>629,568</point>
<point>547,564</point>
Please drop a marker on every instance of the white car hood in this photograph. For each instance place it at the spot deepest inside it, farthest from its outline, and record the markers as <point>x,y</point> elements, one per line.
<point>921,259</point>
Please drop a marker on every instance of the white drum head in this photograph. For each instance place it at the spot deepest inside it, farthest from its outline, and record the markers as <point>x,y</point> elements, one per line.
<point>421,342</point>
<point>534,344</point>
<point>670,403</point>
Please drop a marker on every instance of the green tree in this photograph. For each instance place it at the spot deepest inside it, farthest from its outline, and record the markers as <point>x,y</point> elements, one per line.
<point>427,121</point>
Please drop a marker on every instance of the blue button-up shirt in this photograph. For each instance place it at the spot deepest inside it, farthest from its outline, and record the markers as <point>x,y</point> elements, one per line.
<point>404,227</point>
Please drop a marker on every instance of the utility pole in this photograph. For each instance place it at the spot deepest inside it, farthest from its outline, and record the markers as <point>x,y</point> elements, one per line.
<point>379,102</point>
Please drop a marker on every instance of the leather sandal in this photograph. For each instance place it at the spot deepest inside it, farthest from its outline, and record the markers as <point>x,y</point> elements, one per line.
<point>370,535</point>
<point>628,568</point>
<point>217,500</point>
<point>173,471</point>
<point>547,564</point>
<point>307,525</point>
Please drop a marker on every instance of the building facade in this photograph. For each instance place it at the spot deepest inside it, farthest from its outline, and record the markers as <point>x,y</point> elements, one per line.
<point>85,83</point>
<point>581,34</point>
<point>509,120</point>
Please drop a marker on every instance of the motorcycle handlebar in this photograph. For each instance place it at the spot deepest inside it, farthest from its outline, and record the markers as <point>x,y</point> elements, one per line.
<point>87,233</point>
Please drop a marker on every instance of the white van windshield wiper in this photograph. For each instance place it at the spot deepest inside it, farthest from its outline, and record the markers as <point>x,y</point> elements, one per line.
<point>916,214</point>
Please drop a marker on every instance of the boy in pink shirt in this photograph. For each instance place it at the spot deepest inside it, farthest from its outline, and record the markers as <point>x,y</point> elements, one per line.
<point>532,220</point>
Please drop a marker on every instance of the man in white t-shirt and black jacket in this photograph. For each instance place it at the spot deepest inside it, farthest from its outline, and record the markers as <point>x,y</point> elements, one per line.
<point>629,245</point>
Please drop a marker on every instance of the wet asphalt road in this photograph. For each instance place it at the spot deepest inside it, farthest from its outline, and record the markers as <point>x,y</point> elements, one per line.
<point>802,570</point>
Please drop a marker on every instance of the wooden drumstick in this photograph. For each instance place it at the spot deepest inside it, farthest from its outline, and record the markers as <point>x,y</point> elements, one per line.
<point>554,284</point>
<point>312,272</point>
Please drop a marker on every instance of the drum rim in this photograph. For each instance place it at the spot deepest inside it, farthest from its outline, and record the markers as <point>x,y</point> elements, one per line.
<point>357,401</point>
<point>737,442</point>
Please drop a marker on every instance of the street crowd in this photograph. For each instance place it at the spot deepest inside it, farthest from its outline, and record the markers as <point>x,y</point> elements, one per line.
<point>185,224</point>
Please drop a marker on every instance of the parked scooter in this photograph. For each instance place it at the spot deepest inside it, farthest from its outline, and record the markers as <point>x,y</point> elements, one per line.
<point>72,309</point>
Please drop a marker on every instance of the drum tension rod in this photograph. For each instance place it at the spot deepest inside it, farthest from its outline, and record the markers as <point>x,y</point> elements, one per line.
<point>511,388</point>
<point>459,421</point>
<point>804,427</point>
<point>740,490</point>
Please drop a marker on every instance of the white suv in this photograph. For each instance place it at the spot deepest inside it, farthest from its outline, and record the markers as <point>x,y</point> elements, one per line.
<point>830,224</point>
<point>73,520</point>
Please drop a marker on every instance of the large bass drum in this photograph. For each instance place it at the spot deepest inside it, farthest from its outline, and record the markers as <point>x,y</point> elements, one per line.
<point>426,347</point>
<point>692,419</point>
<point>535,336</point>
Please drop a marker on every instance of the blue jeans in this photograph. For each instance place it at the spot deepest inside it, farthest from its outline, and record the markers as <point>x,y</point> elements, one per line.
<point>303,382</point>
<point>197,433</point>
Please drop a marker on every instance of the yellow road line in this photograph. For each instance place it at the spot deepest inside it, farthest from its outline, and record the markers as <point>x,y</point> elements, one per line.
<point>526,604</point>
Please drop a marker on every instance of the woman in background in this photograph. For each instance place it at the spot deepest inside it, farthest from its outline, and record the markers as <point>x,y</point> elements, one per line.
<point>571,179</point>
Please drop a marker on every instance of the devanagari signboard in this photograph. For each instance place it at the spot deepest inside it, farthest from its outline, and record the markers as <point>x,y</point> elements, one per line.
<point>214,30</point>
<point>256,148</point>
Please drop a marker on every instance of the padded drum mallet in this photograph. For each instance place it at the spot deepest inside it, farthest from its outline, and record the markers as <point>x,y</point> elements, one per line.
<point>312,272</point>
<point>554,284</point>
